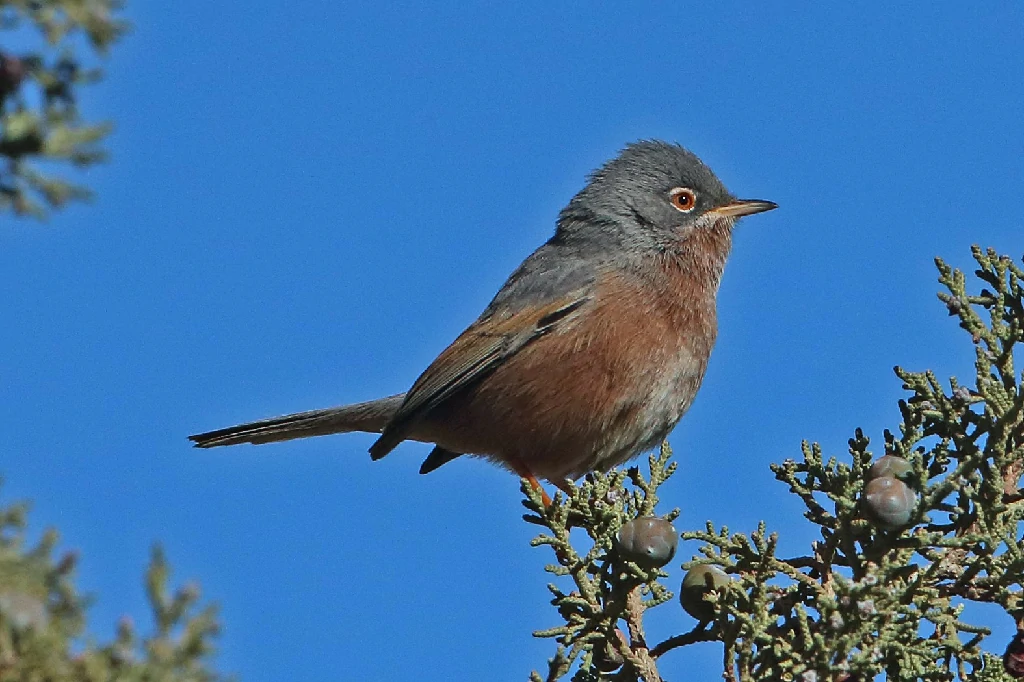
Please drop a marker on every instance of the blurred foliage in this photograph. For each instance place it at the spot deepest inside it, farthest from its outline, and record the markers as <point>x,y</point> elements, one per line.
<point>42,621</point>
<point>40,126</point>
<point>883,591</point>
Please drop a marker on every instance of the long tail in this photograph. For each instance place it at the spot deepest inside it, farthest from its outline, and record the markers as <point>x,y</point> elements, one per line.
<point>370,416</point>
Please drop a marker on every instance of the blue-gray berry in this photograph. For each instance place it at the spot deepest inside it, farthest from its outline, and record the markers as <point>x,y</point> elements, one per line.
<point>649,541</point>
<point>890,501</point>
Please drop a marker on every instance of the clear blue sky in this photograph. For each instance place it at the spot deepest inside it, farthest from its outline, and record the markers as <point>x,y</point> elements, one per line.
<point>307,201</point>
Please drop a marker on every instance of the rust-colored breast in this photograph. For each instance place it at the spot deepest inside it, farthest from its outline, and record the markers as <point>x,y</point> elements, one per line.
<point>596,391</point>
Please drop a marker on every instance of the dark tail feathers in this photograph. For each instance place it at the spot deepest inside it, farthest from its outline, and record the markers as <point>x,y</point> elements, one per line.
<point>370,416</point>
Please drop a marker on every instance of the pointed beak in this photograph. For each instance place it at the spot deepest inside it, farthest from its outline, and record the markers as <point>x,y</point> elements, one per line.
<point>742,207</point>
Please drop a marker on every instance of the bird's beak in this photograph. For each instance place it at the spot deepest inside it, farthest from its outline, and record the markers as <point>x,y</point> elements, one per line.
<point>742,207</point>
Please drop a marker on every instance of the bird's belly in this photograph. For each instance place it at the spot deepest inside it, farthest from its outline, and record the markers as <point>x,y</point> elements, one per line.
<point>591,397</point>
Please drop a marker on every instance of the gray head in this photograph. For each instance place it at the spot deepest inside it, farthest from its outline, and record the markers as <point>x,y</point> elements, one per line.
<point>655,192</point>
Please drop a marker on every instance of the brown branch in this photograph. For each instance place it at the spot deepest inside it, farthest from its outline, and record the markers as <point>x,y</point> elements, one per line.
<point>701,633</point>
<point>637,653</point>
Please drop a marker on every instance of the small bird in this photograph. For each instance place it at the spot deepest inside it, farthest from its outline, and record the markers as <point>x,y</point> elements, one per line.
<point>592,350</point>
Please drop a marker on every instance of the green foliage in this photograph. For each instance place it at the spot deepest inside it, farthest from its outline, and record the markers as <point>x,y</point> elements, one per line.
<point>608,590</point>
<point>42,620</point>
<point>40,126</point>
<point>867,599</point>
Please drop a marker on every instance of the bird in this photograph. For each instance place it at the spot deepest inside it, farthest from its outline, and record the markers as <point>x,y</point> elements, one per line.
<point>592,350</point>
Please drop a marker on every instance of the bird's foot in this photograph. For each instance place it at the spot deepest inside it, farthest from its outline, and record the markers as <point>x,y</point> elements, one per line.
<point>523,471</point>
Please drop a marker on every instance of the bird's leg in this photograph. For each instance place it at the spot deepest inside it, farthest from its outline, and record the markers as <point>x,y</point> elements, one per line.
<point>523,471</point>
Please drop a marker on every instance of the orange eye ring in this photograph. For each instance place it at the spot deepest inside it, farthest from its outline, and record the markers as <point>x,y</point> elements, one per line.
<point>683,199</point>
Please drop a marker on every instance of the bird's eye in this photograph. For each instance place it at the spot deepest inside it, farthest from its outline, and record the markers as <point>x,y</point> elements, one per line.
<point>683,198</point>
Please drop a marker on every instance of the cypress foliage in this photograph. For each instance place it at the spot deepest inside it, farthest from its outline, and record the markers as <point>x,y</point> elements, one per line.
<point>42,621</point>
<point>41,130</point>
<point>908,540</point>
